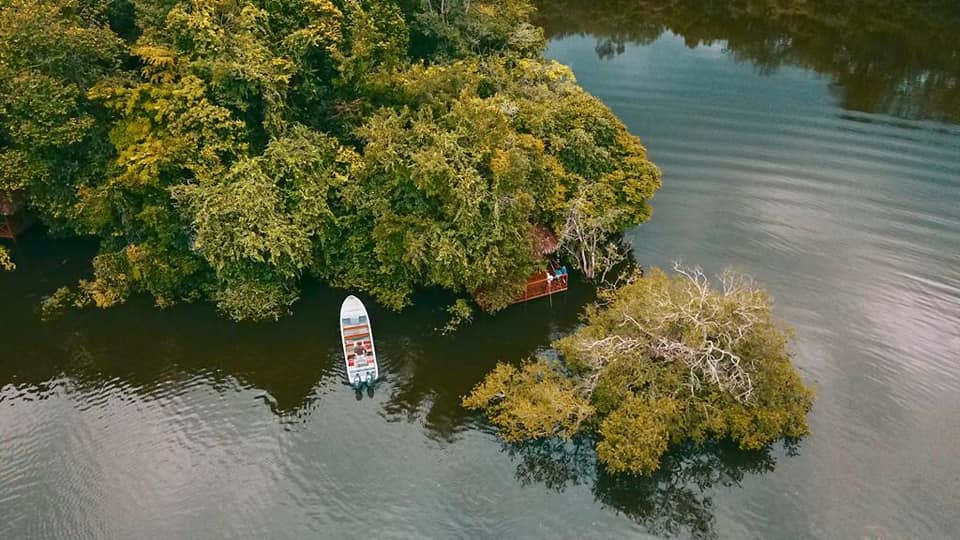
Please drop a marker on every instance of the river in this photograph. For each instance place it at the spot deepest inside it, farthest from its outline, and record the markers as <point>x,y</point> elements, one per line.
<point>836,183</point>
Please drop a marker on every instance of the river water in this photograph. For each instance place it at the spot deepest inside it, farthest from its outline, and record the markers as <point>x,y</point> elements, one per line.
<point>141,423</point>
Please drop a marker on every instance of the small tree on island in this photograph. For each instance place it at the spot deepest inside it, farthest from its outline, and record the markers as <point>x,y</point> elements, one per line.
<point>660,361</point>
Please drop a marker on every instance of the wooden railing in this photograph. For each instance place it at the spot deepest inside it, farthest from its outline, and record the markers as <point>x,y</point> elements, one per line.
<point>540,285</point>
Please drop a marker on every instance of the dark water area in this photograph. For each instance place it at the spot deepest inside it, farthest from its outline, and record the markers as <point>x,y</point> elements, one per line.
<point>142,423</point>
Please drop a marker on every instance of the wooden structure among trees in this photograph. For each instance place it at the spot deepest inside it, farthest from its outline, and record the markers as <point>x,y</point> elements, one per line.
<point>13,218</point>
<point>544,283</point>
<point>540,285</point>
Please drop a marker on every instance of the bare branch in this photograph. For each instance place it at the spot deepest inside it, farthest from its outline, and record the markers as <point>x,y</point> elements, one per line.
<point>694,325</point>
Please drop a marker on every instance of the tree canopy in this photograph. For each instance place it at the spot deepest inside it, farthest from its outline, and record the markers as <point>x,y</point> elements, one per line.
<point>223,150</point>
<point>664,360</point>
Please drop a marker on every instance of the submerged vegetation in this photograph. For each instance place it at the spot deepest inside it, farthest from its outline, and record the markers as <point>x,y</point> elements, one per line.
<point>222,150</point>
<point>662,361</point>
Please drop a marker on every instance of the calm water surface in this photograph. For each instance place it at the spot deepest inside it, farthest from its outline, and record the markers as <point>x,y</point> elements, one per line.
<point>137,423</point>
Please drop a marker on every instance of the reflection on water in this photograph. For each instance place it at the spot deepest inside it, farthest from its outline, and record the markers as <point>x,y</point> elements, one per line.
<point>899,57</point>
<point>112,421</point>
<point>676,500</point>
<point>852,220</point>
<point>146,347</point>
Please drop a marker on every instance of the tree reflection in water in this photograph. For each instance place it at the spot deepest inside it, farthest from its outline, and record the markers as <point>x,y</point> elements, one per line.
<point>676,500</point>
<point>899,57</point>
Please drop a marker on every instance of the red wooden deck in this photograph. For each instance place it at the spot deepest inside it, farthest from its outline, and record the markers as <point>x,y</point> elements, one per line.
<point>539,286</point>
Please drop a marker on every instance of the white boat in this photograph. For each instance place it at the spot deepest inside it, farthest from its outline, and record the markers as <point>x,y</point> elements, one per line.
<point>357,337</point>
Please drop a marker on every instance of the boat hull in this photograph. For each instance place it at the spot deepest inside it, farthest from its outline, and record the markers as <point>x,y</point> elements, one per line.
<point>356,338</point>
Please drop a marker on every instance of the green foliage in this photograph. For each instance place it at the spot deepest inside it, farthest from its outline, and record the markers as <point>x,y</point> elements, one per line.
<point>255,298</point>
<point>168,131</point>
<point>224,150</point>
<point>257,225</point>
<point>112,280</point>
<point>439,205</point>
<point>636,434</point>
<point>533,401</point>
<point>51,143</point>
<point>242,218</point>
<point>376,41</point>
<point>57,303</point>
<point>663,361</point>
<point>461,28</point>
<point>469,155</point>
<point>460,313</point>
<point>6,263</point>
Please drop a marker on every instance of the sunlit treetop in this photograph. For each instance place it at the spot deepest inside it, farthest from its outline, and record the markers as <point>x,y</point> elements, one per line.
<point>663,360</point>
<point>224,150</point>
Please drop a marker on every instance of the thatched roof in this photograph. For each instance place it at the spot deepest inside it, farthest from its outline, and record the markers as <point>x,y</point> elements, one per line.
<point>547,242</point>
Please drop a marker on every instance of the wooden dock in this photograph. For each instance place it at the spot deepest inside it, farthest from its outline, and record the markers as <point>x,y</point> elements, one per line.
<point>540,285</point>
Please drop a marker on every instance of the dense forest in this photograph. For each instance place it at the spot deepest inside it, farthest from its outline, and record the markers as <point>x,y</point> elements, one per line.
<point>223,150</point>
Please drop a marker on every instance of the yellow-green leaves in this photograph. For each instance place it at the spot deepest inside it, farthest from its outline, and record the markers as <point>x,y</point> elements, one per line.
<point>320,29</point>
<point>242,217</point>
<point>665,360</point>
<point>449,198</point>
<point>635,435</point>
<point>533,401</point>
<point>375,42</point>
<point>255,299</point>
<point>257,225</point>
<point>168,132</point>
<point>6,263</point>
<point>18,168</point>
<point>54,38</point>
<point>455,29</point>
<point>158,61</point>
<point>51,142</point>
<point>222,149</point>
<point>471,153</point>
